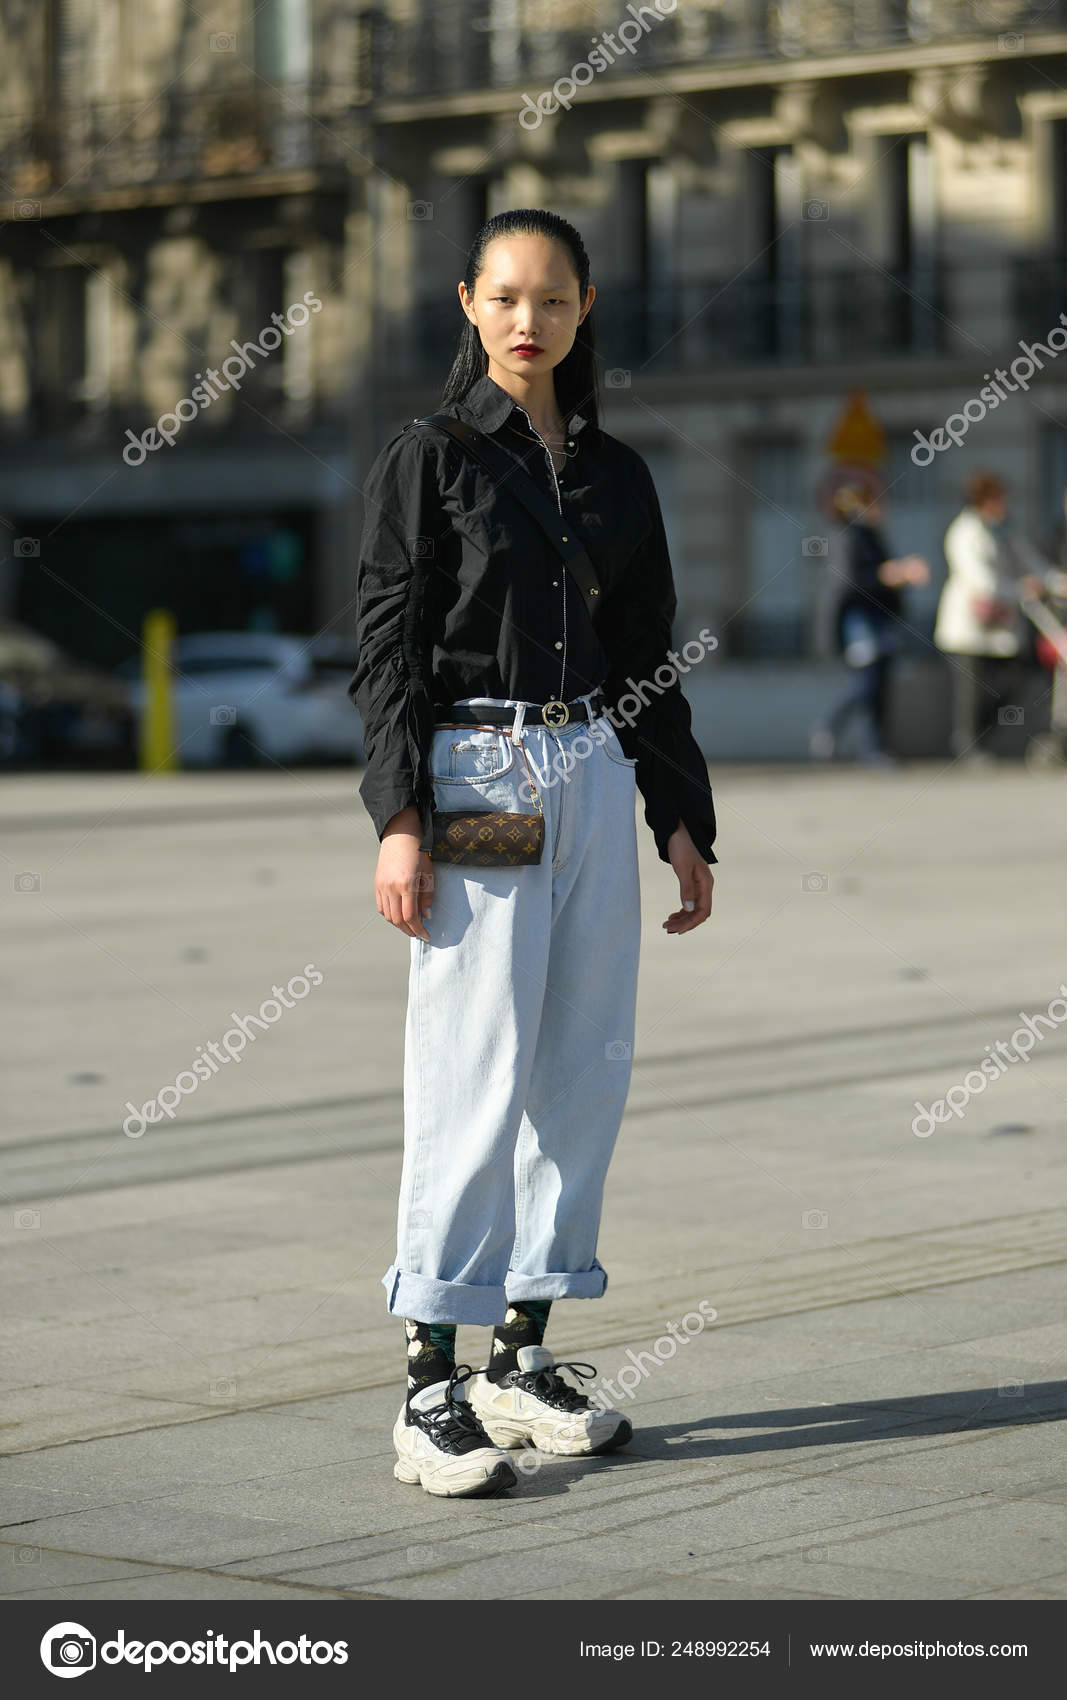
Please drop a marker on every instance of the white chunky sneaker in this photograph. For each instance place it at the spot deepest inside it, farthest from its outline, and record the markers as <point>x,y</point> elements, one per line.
<point>441,1444</point>
<point>534,1404</point>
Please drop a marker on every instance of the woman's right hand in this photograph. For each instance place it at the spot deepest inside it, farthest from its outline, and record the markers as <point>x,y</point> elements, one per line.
<point>403,882</point>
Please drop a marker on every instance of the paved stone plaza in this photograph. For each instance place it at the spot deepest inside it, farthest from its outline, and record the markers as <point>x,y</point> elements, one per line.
<point>201,1374</point>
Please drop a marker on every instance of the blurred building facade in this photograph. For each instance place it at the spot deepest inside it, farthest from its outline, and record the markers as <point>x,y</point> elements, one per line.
<point>782,204</point>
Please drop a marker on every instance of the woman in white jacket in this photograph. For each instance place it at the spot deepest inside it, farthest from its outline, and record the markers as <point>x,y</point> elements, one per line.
<point>977,615</point>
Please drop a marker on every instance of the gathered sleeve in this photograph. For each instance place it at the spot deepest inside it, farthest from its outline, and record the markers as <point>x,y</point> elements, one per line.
<point>635,628</point>
<point>404,541</point>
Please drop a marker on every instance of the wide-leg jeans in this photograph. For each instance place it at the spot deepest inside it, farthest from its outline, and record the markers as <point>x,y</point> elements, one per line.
<point>520,1028</point>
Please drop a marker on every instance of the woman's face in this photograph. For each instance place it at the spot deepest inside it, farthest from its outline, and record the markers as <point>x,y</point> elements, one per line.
<point>526,292</point>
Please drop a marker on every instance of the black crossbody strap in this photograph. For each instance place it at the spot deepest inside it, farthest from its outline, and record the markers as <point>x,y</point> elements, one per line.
<point>567,545</point>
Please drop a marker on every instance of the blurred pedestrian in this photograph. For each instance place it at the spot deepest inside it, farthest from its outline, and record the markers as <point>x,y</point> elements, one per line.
<point>978,621</point>
<point>867,632</point>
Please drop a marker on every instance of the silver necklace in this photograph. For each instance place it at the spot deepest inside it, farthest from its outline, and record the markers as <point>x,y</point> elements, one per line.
<point>568,454</point>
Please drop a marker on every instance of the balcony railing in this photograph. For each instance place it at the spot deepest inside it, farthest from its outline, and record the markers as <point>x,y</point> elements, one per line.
<point>434,47</point>
<point>839,317</point>
<point>449,46</point>
<point>794,321</point>
<point>247,130</point>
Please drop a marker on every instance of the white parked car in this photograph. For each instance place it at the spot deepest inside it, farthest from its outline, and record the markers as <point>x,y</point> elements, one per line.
<point>247,699</point>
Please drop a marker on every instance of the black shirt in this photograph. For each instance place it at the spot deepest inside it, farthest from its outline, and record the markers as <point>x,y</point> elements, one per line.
<point>459,593</point>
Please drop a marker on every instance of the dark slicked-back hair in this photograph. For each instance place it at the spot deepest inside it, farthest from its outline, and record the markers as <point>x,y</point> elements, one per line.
<point>576,374</point>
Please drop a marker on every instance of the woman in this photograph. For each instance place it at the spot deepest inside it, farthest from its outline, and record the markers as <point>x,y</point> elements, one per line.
<point>866,627</point>
<point>978,618</point>
<point>479,657</point>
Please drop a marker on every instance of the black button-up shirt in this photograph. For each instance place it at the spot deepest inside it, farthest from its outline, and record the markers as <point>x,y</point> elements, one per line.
<point>459,593</point>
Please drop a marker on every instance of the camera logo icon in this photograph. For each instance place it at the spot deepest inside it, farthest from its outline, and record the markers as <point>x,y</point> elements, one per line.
<point>1010,715</point>
<point>223,714</point>
<point>68,1649</point>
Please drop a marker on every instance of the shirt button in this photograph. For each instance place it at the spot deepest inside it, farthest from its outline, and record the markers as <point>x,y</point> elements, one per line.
<point>559,646</point>
<point>555,581</point>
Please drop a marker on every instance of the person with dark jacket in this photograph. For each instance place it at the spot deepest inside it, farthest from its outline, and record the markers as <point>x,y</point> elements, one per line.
<point>867,628</point>
<point>489,680</point>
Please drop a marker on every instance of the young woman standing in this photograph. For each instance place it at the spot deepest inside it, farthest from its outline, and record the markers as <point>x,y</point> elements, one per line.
<point>481,663</point>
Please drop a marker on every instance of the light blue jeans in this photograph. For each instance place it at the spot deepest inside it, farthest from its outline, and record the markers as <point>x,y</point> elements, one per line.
<point>520,1029</point>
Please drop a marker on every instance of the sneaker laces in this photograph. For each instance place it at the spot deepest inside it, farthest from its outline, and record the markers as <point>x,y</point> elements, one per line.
<point>546,1384</point>
<point>453,1423</point>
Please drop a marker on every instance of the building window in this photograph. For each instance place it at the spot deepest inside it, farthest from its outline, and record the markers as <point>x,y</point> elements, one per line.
<point>770,306</point>
<point>921,503</point>
<point>282,32</point>
<point>785,562</point>
<point>1051,536</point>
<point>63,310</point>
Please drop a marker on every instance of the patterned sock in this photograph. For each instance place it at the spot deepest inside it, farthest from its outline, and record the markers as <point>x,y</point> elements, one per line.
<point>431,1353</point>
<point>524,1325</point>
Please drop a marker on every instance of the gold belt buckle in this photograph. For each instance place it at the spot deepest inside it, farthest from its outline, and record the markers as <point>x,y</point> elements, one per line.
<point>555,713</point>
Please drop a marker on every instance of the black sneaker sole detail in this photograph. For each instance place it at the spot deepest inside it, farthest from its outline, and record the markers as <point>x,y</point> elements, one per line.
<point>622,1434</point>
<point>499,1481</point>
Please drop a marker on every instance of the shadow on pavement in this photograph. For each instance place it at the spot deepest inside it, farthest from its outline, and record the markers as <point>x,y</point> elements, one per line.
<point>818,1425</point>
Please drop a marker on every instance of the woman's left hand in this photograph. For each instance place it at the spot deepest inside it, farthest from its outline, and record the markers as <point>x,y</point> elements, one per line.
<point>695,882</point>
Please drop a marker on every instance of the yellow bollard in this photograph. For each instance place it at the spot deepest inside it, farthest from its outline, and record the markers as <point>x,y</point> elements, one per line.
<point>157,754</point>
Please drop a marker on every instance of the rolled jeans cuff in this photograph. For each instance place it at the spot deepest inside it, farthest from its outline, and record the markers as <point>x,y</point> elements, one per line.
<point>425,1299</point>
<point>584,1284</point>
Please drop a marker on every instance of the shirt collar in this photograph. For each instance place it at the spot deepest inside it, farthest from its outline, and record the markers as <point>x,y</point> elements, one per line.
<point>489,407</point>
